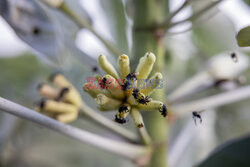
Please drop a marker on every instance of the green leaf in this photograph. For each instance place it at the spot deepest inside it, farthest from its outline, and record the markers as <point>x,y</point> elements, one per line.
<point>233,153</point>
<point>247,2</point>
<point>243,37</point>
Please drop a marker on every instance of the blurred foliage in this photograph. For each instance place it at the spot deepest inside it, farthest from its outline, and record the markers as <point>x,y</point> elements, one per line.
<point>31,145</point>
<point>247,2</point>
<point>243,37</point>
<point>230,154</point>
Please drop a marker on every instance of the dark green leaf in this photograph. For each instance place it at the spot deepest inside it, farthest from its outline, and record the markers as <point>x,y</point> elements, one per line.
<point>243,37</point>
<point>231,154</point>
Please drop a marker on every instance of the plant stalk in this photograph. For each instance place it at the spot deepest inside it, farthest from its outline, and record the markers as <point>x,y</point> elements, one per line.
<point>106,123</point>
<point>149,13</point>
<point>130,151</point>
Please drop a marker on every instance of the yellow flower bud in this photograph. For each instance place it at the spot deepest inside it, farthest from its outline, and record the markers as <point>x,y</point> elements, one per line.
<point>60,81</point>
<point>145,65</point>
<point>137,118</point>
<point>70,95</point>
<point>52,106</point>
<point>122,113</point>
<point>152,83</point>
<point>112,86</point>
<point>123,65</point>
<point>107,66</point>
<point>105,103</point>
<point>48,91</point>
<point>154,105</point>
<point>67,117</point>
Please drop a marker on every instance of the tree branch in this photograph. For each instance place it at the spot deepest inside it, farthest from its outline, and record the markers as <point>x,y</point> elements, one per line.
<point>101,120</point>
<point>212,101</point>
<point>130,151</point>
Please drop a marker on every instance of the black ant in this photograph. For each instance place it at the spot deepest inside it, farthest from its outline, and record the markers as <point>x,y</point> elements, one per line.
<point>196,114</point>
<point>145,100</point>
<point>131,77</point>
<point>120,120</point>
<point>234,57</point>
<point>103,83</point>
<point>140,97</point>
<point>164,111</point>
<point>123,109</point>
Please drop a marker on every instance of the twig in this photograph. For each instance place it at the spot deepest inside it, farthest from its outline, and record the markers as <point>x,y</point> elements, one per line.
<point>101,120</point>
<point>130,151</point>
<point>212,101</point>
<point>145,136</point>
<point>85,24</point>
<point>168,19</point>
<point>194,16</point>
<point>142,130</point>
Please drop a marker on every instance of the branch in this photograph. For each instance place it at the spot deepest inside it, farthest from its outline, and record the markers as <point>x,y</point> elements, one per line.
<point>194,16</point>
<point>101,120</point>
<point>84,24</point>
<point>130,151</point>
<point>168,19</point>
<point>213,101</point>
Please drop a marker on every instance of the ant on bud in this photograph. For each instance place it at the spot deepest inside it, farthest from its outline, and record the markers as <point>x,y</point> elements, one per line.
<point>140,97</point>
<point>129,80</point>
<point>196,115</point>
<point>234,57</point>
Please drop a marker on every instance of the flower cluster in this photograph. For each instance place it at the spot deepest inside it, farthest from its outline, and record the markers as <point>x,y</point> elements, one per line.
<point>61,100</point>
<point>122,92</point>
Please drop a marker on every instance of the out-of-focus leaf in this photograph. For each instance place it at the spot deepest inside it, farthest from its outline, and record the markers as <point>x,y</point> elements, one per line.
<point>243,37</point>
<point>247,2</point>
<point>117,22</point>
<point>231,154</point>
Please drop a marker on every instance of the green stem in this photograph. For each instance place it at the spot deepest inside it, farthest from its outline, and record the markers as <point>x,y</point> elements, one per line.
<point>148,13</point>
<point>84,24</point>
<point>106,123</point>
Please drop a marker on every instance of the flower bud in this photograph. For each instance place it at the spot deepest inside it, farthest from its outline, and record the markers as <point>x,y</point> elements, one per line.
<point>105,103</point>
<point>137,118</point>
<point>48,91</point>
<point>123,65</point>
<point>107,66</point>
<point>145,65</point>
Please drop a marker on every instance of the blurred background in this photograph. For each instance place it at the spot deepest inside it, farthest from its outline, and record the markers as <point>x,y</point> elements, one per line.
<point>23,66</point>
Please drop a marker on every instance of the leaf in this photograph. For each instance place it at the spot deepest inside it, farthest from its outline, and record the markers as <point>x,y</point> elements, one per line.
<point>233,153</point>
<point>115,14</point>
<point>243,37</point>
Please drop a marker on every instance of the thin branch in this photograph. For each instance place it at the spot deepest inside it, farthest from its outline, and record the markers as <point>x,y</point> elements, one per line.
<point>82,23</point>
<point>193,85</point>
<point>193,26</point>
<point>212,101</point>
<point>101,120</point>
<point>142,130</point>
<point>168,19</point>
<point>195,15</point>
<point>145,136</point>
<point>130,151</point>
